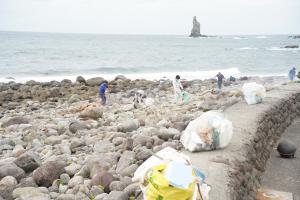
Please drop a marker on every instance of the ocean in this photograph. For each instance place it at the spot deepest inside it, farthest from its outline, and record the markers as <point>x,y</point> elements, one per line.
<point>55,56</point>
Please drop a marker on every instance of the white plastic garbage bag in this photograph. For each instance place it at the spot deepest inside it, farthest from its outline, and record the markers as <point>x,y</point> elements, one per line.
<point>210,131</point>
<point>167,154</point>
<point>253,92</point>
<point>153,182</point>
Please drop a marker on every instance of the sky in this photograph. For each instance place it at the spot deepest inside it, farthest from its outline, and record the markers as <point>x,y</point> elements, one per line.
<point>217,17</point>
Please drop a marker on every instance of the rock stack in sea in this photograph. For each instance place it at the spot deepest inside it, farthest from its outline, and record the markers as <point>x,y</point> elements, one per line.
<point>56,142</point>
<point>196,28</point>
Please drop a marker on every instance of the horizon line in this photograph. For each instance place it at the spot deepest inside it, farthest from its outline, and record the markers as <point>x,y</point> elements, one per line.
<point>150,34</point>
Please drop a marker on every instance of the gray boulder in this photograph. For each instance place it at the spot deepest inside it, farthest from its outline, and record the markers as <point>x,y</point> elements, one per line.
<point>104,147</point>
<point>127,158</point>
<point>92,112</point>
<point>15,120</point>
<point>94,81</point>
<point>128,126</point>
<point>80,79</point>
<point>11,169</point>
<point>48,172</point>
<point>75,126</point>
<point>28,161</point>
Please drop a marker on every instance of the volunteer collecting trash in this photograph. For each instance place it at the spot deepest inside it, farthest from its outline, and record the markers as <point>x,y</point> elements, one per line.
<point>102,88</point>
<point>292,74</point>
<point>220,78</point>
<point>178,89</point>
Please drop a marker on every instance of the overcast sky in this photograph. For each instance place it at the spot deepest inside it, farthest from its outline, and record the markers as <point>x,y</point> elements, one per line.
<point>151,16</point>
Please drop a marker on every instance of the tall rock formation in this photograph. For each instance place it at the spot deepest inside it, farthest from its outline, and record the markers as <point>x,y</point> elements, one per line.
<point>196,28</point>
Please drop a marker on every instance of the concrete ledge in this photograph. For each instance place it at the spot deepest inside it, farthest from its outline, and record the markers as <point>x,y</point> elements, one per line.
<point>234,172</point>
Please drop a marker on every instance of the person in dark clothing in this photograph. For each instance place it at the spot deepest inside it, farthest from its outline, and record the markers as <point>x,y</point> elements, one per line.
<point>102,88</point>
<point>220,78</point>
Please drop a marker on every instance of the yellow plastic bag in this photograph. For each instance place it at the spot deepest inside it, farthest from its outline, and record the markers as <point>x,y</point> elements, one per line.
<point>158,187</point>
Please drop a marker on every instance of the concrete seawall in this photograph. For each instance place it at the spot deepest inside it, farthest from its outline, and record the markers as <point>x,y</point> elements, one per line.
<point>234,172</point>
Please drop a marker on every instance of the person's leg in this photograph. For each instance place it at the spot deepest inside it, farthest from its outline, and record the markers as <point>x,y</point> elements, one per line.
<point>103,99</point>
<point>219,85</point>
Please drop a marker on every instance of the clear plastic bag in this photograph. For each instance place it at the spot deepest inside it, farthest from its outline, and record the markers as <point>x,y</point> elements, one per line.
<point>210,131</point>
<point>253,93</point>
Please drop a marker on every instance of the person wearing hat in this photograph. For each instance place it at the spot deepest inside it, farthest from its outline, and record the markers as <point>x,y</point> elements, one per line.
<point>292,74</point>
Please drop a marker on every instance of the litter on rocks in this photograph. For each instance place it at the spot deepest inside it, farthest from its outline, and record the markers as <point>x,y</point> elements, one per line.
<point>253,93</point>
<point>169,175</point>
<point>210,131</point>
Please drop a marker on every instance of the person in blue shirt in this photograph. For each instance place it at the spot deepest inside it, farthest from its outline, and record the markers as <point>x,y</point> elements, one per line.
<point>102,88</point>
<point>292,74</point>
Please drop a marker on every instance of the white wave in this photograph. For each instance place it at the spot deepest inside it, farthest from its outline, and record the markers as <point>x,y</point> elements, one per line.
<point>261,37</point>
<point>237,38</point>
<point>247,48</point>
<point>282,49</point>
<point>189,75</point>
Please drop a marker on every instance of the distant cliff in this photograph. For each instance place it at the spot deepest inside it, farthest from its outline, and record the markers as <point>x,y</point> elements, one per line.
<point>196,29</point>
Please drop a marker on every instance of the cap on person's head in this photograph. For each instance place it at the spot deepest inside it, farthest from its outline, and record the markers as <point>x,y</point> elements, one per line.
<point>177,77</point>
<point>294,68</point>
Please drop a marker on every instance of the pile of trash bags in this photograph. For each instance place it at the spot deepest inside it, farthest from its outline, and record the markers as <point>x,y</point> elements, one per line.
<point>210,131</point>
<point>253,93</point>
<point>169,175</point>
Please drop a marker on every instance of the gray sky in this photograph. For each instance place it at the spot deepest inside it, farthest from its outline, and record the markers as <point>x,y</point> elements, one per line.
<point>151,16</point>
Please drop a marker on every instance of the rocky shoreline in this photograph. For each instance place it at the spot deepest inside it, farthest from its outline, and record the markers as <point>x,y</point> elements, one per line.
<point>58,143</point>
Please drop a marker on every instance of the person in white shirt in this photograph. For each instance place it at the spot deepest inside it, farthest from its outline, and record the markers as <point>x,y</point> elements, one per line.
<point>178,89</point>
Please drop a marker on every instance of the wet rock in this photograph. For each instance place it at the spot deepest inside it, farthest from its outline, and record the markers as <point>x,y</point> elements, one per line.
<point>291,46</point>
<point>80,79</point>
<point>28,161</point>
<point>15,120</point>
<point>94,81</point>
<point>48,172</point>
<point>121,77</point>
<point>11,169</point>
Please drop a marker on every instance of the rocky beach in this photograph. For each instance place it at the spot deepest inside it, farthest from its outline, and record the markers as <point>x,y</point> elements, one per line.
<point>57,142</point>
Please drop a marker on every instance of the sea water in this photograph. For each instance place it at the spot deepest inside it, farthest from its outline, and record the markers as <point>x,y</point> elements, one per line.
<point>53,56</point>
